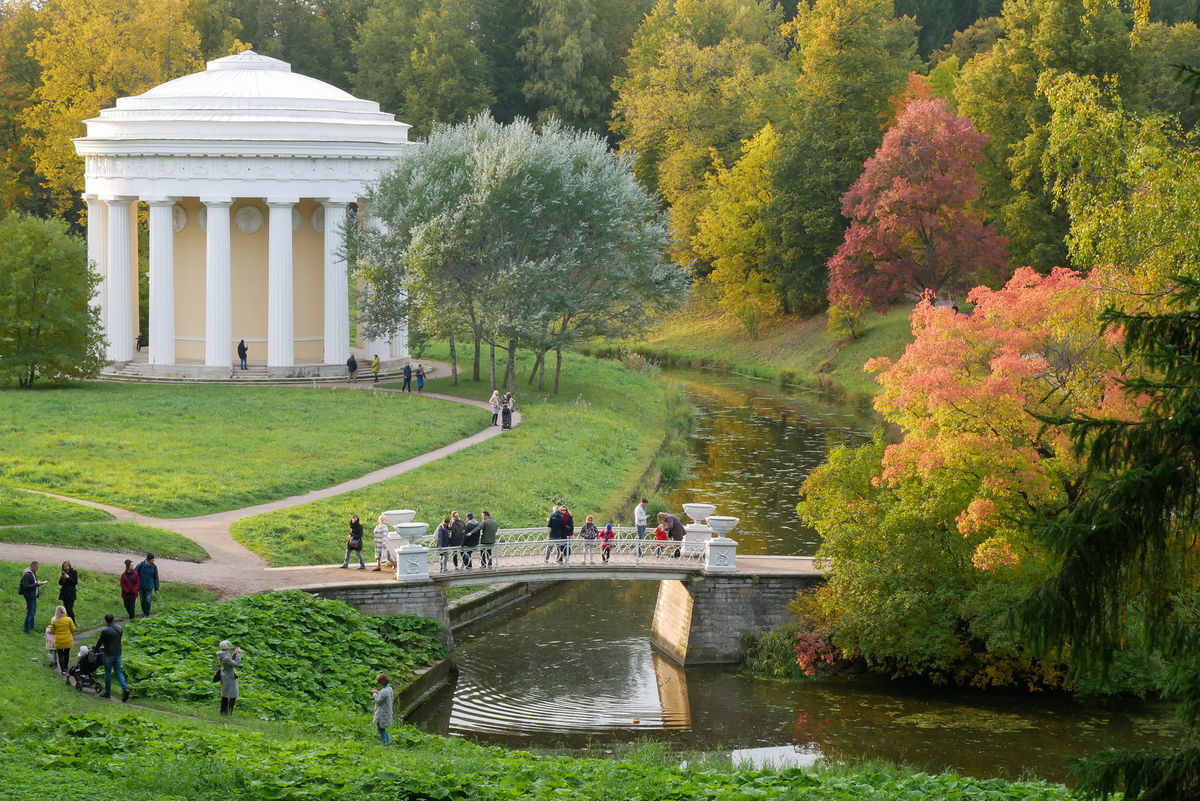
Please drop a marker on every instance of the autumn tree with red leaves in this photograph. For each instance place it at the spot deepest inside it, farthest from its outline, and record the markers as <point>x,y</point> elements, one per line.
<point>915,220</point>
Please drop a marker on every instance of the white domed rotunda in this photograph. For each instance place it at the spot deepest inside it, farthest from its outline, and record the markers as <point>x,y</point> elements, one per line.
<point>248,170</point>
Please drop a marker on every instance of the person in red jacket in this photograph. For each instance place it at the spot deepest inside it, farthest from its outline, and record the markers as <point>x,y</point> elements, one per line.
<point>131,587</point>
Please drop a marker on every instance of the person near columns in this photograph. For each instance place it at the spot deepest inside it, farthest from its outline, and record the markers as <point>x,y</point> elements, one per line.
<point>352,366</point>
<point>242,351</point>
<point>138,341</point>
<point>407,385</point>
<point>375,367</point>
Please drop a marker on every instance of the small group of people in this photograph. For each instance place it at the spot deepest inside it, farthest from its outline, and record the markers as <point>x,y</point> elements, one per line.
<point>60,639</point>
<point>408,374</point>
<point>139,582</point>
<point>376,366</point>
<point>459,540</point>
<point>561,527</point>
<point>502,408</point>
<point>30,588</point>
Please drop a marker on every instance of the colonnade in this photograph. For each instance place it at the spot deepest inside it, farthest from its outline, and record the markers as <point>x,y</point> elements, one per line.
<point>112,248</point>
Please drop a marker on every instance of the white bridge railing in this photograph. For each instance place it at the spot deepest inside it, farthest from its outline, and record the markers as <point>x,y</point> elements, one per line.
<point>531,548</point>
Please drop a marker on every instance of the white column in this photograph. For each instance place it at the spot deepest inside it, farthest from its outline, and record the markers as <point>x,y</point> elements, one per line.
<point>120,279</point>
<point>162,281</point>
<point>97,249</point>
<point>218,286</point>
<point>337,300</point>
<point>281,339</point>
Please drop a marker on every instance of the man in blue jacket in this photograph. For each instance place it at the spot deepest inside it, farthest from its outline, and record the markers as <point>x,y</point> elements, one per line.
<point>148,576</point>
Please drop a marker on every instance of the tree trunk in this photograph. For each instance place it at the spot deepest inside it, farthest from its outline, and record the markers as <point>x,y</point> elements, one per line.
<point>475,368</point>
<point>492,364</point>
<point>557,367</point>
<point>510,369</point>
<point>536,363</point>
<point>453,362</point>
<point>542,374</point>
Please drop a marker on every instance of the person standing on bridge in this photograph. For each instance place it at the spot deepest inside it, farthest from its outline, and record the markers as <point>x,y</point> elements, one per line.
<point>675,529</point>
<point>487,540</point>
<point>458,531</point>
<point>555,526</point>
<point>639,521</point>
<point>443,541</point>
<point>606,537</point>
<point>471,540</point>
<point>590,534</point>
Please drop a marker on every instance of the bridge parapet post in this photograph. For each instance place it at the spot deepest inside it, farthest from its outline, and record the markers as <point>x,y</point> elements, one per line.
<point>720,555</point>
<point>412,563</point>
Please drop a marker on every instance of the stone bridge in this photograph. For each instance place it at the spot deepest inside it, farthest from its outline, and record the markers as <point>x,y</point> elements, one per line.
<point>707,595</point>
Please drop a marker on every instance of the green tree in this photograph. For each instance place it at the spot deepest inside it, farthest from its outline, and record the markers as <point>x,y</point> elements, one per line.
<point>448,82</point>
<point>47,326</point>
<point>314,36</point>
<point>852,56</point>
<point>997,90</point>
<point>499,40</point>
<point>566,59</point>
<point>699,76</point>
<point>1162,49</point>
<point>91,53</point>
<point>19,77</point>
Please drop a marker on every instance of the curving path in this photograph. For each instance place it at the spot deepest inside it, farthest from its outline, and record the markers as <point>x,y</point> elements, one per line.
<point>232,569</point>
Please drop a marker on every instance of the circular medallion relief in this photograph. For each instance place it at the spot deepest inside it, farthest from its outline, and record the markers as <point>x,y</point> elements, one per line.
<point>179,218</point>
<point>248,219</point>
<point>202,218</point>
<point>297,219</point>
<point>317,219</point>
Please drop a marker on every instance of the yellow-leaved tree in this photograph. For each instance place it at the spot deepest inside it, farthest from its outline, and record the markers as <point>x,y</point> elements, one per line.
<point>93,52</point>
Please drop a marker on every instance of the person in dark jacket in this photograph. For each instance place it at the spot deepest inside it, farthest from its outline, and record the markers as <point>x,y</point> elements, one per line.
<point>147,582</point>
<point>354,543</point>
<point>557,527</point>
<point>675,529</point>
<point>242,351</point>
<point>30,586</point>
<point>352,366</point>
<point>443,542</point>
<point>68,582</point>
<point>407,385</point>
<point>487,540</point>
<point>109,646</point>
<point>470,539</point>
<point>131,586</point>
<point>458,533</point>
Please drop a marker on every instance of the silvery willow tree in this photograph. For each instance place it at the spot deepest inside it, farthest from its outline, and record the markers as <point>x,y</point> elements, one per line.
<point>522,236</point>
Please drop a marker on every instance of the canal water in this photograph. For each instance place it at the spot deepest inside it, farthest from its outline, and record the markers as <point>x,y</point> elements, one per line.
<point>576,669</point>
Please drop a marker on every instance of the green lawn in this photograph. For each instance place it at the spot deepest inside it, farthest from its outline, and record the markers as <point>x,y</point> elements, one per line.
<point>175,451</point>
<point>791,349</point>
<point>108,536</point>
<point>588,446</point>
<point>18,507</point>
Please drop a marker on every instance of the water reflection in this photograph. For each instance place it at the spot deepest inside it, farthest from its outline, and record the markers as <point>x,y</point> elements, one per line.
<point>755,443</point>
<point>578,671</point>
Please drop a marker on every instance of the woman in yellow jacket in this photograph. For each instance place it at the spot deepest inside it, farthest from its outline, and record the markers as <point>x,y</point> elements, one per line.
<point>63,629</point>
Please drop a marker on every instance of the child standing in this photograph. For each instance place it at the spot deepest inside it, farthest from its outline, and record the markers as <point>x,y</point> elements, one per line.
<point>606,538</point>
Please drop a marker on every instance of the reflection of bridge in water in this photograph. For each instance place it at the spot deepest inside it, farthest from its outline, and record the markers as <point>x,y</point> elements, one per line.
<point>708,596</point>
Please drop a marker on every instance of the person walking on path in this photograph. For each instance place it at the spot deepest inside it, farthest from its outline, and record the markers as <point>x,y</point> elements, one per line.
<point>63,629</point>
<point>130,587</point>
<point>590,534</point>
<point>487,540</point>
<point>29,588</point>
<point>407,372</point>
<point>383,707</point>
<point>443,542</point>
<point>420,377</point>
<point>379,537</point>
<point>147,582</point>
<point>494,402</point>
<point>354,543</point>
<point>229,661</point>
<point>68,583</point>
<point>109,644</point>
<point>639,521</point>
<point>352,366</point>
<point>242,352</point>
<point>675,529</point>
<point>506,409</point>
<point>375,367</point>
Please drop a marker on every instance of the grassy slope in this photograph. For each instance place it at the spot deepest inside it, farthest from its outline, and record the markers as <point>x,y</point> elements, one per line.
<point>77,746</point>
<point>182,450</point>
<point>804,347</point>
<point>131,538</point>
<point>588,446</point>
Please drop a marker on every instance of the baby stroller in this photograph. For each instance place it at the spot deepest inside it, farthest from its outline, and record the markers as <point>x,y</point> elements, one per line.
<point>86,664</point>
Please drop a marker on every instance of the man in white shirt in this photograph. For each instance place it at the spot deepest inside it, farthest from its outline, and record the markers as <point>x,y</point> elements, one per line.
<point>639,520</point>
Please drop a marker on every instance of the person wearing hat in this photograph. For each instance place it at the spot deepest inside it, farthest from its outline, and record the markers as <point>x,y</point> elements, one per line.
<point>470,539</point>
<point>130,587</point>
<point>148,582</point>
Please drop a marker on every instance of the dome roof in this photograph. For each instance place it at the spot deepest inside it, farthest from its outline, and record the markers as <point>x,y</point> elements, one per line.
<point>251,98</point>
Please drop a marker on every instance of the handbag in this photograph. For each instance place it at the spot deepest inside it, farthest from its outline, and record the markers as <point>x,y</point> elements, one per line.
<point>217,675</point>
